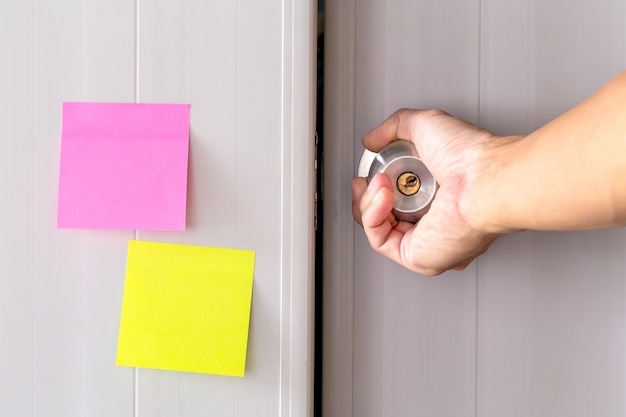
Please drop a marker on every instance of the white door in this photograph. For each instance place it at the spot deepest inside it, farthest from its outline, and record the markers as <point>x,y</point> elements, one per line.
<point>537,326</point>
<point>247,68</point>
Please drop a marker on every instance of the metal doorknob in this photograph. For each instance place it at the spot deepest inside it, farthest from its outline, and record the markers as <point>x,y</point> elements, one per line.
<point>414,186</point>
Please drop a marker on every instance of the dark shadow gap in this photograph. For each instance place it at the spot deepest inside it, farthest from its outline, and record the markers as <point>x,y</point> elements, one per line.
<point>319,214</point>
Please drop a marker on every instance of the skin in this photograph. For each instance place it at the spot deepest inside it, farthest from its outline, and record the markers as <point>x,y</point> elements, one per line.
<point>568,175</point>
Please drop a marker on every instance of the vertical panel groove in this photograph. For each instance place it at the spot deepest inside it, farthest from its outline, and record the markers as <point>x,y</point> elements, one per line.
<point>137,18</point>
<point>283,267</point>
<point>136,408</point>
<point>477,335</point>
<point>380,303</point>
<point>32,230</point>
<point>477,277</point>
<point>236,109</point>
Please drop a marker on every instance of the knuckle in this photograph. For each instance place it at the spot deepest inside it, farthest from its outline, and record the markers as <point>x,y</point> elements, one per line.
<point>434,113</point>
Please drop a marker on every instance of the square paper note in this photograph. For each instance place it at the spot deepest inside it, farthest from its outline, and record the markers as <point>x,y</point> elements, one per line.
<point>123,166</point>
<point>186,308</point>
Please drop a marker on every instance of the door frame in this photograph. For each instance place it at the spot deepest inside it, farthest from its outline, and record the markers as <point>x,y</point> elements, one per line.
<point>338,227</point>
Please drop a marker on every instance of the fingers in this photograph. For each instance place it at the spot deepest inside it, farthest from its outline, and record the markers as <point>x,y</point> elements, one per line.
<point>400,125</point>
<point>363,195</point>
<point>377,200</point>
<point>358,188</point>
<point>428,247</point>
<point>383,231</point>
<point>395,127</point>
<point>376,210</point>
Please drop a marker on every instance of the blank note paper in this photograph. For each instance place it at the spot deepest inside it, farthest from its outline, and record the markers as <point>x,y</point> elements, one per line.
<point>123,166</point>
<point>186,308</point>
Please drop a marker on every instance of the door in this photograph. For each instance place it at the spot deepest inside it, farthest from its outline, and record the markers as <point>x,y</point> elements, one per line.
<point>247,69</point>
<point>537,326</point>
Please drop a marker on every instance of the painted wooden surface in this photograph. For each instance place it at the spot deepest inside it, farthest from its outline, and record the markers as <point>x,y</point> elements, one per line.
<point>536,327</point>
<point>246,69</point>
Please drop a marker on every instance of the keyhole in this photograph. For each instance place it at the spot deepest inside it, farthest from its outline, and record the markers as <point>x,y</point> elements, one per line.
<point>408,183</point>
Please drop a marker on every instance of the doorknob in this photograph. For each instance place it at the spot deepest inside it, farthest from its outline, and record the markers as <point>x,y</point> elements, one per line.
<point>413,184</point>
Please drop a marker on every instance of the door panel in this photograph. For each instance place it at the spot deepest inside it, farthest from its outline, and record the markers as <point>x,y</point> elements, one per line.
<point>247,70</point>
<point>535,326</point>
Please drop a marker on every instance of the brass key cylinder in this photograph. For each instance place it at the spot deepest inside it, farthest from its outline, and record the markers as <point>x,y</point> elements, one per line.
<point>408,183</point>
<point>414,185</point>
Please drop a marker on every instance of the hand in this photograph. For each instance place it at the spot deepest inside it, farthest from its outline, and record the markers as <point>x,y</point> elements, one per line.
<point>454,151</point>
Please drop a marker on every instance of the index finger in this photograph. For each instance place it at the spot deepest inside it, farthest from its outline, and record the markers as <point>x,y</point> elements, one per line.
<point>397,126</point>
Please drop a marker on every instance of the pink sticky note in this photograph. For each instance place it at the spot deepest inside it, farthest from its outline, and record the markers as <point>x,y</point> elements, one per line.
<point>123,166</point>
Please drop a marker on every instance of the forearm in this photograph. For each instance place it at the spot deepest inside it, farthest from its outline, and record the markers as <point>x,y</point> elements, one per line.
<point>568,175</point>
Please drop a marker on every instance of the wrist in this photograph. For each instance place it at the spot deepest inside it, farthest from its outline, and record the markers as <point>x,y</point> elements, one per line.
<point>485,198</point>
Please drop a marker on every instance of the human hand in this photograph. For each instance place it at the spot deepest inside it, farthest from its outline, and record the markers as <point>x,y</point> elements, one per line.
<point>444,238</point>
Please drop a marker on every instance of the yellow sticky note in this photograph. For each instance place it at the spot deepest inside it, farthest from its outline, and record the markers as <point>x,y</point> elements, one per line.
<point>186,308</point>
